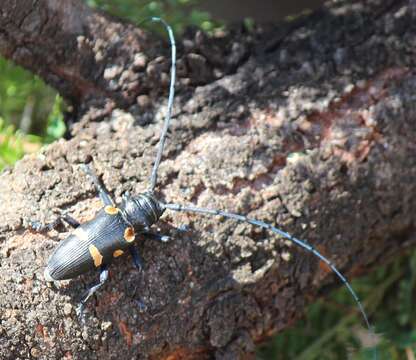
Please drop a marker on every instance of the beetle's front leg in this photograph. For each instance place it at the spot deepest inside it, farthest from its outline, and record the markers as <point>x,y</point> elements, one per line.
<point>102,192</point>
<point>92,290</point>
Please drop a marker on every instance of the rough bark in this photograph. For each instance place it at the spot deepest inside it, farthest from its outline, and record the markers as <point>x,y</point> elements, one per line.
<point>96,61</point>
<point>313,131</point>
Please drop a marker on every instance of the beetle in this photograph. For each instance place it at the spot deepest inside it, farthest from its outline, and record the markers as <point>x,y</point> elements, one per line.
<point>94,244</point>
<point>114,228</point>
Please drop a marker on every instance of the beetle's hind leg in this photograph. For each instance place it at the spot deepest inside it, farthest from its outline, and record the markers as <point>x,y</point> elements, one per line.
<point>40,227</point>
<point>102,191</point>
<point>137,259</point>
<point>138,263</point>
<point>90,292</point>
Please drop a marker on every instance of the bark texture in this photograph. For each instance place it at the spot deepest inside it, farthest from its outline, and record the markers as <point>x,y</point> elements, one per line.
<point>310,126</point>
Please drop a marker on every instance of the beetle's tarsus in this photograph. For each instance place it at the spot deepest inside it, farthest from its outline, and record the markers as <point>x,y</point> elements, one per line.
<point>183,228</point>
<point>158,237</point>
<point>141,305</point>
<point>137,259</point>
<point>91,291</point>
<point>39,227</point>
<point>80,313</point>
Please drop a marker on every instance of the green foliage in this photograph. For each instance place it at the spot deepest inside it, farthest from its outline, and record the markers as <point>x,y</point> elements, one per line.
<point>178,13</point>
<point>19,91</point>
<point>24,96</point>
<point>13,145</point>
<point>55,128</point>
<point>331,331</point>
<point>26,101</point>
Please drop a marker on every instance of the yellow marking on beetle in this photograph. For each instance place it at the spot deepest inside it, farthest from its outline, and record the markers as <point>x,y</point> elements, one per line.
<point>80,234</point>
<point>129,234</point>
<point>111,210</point>
<point>96,255</point>
<point>118,253</point>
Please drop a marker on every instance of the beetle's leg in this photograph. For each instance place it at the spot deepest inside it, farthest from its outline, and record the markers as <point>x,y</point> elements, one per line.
<point>155,236</point>
<point>70,221</point>
<point>138,263</point>
<point>102,192</point>
<point>93,289</point>
<point>37,226</point>
<point>163,238</point>
<point>137,259</point>
<point>40,227</point>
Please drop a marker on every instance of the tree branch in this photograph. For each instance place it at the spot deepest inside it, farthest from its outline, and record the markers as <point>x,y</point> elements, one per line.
<point>95,60</point>
<point>314,132</point>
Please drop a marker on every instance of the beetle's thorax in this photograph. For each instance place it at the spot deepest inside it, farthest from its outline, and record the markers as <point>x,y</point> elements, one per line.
<point>141,211</point>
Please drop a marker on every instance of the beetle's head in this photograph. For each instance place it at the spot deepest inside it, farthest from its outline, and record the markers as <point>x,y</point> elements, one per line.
<point>141,211</point>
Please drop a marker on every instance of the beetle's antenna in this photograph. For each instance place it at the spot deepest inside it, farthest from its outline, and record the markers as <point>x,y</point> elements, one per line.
<point>153,176</point>
<point>300,243</point>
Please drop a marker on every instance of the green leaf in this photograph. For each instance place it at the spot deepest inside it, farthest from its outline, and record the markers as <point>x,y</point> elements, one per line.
<point>56,126</point>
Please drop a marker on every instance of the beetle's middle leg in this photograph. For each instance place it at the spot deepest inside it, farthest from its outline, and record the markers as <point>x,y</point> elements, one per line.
<point>38,226</point>
<point>162,238</point>
<point>93,289</point>
<point>102,192</point>
<point>156,236</point>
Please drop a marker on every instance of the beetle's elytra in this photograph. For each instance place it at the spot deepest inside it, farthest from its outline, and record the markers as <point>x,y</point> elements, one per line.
<point>105,237</point>
<point>113,230</point>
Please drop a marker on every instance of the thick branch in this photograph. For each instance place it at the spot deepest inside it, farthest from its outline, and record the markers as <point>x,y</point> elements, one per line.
<point>314,132</point>
<point>94,60</point>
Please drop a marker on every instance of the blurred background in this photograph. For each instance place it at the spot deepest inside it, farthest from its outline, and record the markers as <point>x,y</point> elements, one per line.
<point>31,115</point>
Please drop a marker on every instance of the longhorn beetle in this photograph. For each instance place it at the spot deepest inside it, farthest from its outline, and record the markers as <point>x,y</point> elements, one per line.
<point>113,230</point>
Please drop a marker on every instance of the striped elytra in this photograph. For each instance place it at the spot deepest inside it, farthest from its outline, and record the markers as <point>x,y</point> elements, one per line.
<point>75,256</point>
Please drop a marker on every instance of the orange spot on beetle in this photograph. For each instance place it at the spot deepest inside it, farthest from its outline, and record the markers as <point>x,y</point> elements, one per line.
<point>118,253</point>
<point>111,210</point>
<point>96,255</point>
<point>129,235</point>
